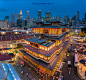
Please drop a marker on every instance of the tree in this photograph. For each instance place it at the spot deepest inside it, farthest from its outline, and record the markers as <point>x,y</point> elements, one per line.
<point>19,45</point>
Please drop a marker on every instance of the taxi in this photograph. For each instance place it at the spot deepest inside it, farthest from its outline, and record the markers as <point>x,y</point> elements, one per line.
<point>68,54</point>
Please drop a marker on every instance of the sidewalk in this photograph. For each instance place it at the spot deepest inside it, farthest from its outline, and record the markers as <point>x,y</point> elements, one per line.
<point>20,68</point>
<point>81,70</point>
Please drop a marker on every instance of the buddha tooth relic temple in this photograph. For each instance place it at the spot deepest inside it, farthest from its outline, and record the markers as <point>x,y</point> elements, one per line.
<point>45,49</point>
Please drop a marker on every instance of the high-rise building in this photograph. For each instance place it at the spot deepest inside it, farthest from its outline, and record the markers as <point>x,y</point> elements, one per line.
<point>66,19</point>
<point>77,17</point>
<point>3,24</point>
<point>39,15</point>
<point>58,17</point>
<point>85,15</point>
<point>74,21</point>
<point>13,17</point>
<point>48,16</point>
<point>18,16</point>
<point>20,12</point>
<point>61,19</point>
<point>19,23</point>
<point>21,16</point>
<point>7,18</point>
<point>70,22</point>
<point>28,16</point>
<point>34,19</point>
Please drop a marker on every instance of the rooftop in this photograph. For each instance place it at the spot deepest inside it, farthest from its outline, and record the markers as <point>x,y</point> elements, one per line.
<point>36,40</point>
<point>49,27</point>
<point>43,52</point>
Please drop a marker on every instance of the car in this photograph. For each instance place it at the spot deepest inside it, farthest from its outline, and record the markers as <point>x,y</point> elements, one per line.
<point>65,59</point>
<point>68,54</point>
<point>69,64</point>
<point>60,78</point>
<point>82,61</point>
<point>80,51</point>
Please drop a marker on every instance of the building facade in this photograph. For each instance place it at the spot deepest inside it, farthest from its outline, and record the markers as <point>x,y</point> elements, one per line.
<point>3,24</point>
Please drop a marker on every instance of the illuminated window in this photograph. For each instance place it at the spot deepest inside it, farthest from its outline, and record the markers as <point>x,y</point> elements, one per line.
<point>43,48</point>
<point>52,31</point>
<point>46,49</point>
<point>40,47</point>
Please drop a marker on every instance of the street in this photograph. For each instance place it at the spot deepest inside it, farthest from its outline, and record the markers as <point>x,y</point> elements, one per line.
<point>73,73</point>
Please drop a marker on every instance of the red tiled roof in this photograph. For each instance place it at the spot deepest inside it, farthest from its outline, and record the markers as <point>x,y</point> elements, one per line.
<point>13,38</point>
<point>3,38</point>
<point>17,38</point>
<point>8,38</point>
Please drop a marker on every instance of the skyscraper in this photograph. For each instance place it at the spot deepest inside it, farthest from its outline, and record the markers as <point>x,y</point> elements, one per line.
<point>13,17</point>
<point>85,15</point>
<point>21,16</point>
<point>58,17</point>
<point>7,18</point>
<point>20,12</point>
<point>74,21</point>
<point>28,16</point>
<point>39,15</point>
<point>77,17</point>
<point>66,18</point>
<point>48,16</point>
<point>18,16</point>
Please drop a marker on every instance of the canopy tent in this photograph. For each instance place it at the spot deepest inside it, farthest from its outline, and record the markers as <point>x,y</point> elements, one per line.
<point>12,73</point>
<point>11,54</point>
<point>2,73</point>
<point>9,48</point>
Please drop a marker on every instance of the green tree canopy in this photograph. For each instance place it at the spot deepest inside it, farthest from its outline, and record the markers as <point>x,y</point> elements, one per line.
<point>19,45</point>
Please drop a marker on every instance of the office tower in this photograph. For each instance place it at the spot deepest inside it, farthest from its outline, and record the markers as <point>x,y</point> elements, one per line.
<point>21,16</point>
<point>83,21</point>
<point>70,22</point>
<point>7,18</point>
<point>3,24</point>
<point>42,18</point>
<point>77,17</point>
<point>20,12</point>
<point>19,23</point>
<point>85,15</point>
<point>48,16</point>
<point>66,18</point>
<point>61,19</point>
<point>58,17</point>
<point>13,17</point>
<point>74,21</point>
<point>39,15</point>
<point>34,19</point>
<point>18,16</point>
<point>28,16</point>
<point>25,21</point>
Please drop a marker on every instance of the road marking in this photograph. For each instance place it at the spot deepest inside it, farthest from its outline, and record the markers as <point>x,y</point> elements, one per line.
<point>33,73</point>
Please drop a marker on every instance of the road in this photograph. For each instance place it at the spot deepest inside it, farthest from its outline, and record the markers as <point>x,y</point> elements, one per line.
<point>73,74</point>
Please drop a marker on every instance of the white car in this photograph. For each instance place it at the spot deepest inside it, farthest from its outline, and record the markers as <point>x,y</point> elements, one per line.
<point>61,78</point>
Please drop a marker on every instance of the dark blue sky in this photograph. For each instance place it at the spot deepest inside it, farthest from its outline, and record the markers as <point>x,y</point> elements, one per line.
<point>59,7</point>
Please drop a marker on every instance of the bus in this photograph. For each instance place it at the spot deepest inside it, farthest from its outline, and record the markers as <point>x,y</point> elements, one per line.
<point>76,60</point>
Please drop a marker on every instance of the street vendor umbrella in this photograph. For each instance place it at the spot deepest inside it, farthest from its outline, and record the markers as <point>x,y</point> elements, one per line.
<point>22,62</point>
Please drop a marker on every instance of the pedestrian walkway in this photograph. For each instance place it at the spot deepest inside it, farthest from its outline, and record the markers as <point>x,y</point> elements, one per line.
<point>24,71</point>
<point>81,70</point>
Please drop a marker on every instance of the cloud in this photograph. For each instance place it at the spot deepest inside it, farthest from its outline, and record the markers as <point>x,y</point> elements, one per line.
<point>3,10</point>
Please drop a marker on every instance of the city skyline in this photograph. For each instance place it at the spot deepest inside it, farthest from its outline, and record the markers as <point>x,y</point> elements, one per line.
<point>67,7</point>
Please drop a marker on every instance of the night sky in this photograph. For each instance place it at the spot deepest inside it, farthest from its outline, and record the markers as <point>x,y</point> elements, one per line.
<point>56,7</point>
